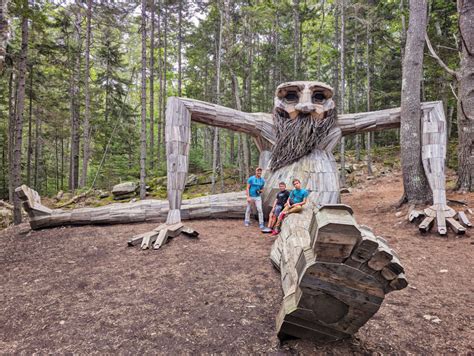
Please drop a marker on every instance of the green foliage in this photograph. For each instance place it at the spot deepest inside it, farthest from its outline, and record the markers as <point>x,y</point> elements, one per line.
<point>258,48</point>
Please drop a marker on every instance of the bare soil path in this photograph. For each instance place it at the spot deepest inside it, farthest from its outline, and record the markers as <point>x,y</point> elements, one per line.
<point>83,290</point>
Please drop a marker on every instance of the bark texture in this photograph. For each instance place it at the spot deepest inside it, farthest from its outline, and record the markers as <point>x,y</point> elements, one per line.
<point>414,180</point>
<point>20,99</point>
<point>143,104</point>
<point>4,31</point>
<point>87,108</point>
<point>466,97</point>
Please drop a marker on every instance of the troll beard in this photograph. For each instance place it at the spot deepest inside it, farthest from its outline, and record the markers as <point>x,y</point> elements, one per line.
<point>297,137</point>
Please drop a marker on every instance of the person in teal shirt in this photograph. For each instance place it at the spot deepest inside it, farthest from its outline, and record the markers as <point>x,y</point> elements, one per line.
<point>298,198</point>
<point>255,186</point>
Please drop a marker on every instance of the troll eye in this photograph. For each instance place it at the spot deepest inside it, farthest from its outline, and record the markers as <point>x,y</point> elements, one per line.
<point>291,96</point>
<point>318,97</point>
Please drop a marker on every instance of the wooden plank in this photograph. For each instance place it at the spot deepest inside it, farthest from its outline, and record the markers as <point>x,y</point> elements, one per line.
<point>463,219</point>
<point>426,224</point>
<point>441,222</point>
<point>457,227</point>
<point>399,283</point>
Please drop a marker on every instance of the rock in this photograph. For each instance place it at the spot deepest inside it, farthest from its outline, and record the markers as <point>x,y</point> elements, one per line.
<point>370,177</point>
<point>192,179</point>
<point>125,196</point>
<point>398,214</point>
<point>432,318</point>
<point>345,190</point>
<point>124,189</point>
<point>349,169</point>
<point>6,217</point>
<point>103,195</point>
<point>443,271</point>
<point>59,195</point>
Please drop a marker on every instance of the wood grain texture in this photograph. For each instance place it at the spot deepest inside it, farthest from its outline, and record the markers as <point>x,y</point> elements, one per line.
<point>330,287</point>
<point>228,205</point>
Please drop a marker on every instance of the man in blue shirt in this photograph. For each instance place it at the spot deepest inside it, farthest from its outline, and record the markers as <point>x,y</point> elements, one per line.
<point>298,198</point>
<point>255,186</point>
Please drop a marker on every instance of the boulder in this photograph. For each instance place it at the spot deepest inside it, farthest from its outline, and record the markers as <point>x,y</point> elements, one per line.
<point>192,179</point>
<point>127,188</point>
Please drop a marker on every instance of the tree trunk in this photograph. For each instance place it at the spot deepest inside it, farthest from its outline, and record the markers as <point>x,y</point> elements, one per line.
<point>160,92</point>
<point>342,96</point>
<point>164,69</point>
<point>143,106</point>
<point>296,38</point>
<point>87,113</point>
<point>20,98</point>
<point>180,44</point>
<point>216,161</point>
<point>355,96</point>
<point>238,106</point>
<point>11,132</point>
<point>56,163</point>
<point>403,38</point>
<point>368,138</point>
<point>38,152</point>
<point>152,93</point>
<point>74,109</point>
<point>466,98</point>
<point>414,180</point>
<point>4,31</point>
<point>29,150</point>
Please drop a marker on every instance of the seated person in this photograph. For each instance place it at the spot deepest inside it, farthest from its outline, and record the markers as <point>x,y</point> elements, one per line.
<point>277,207</point>
<point>298,198</point>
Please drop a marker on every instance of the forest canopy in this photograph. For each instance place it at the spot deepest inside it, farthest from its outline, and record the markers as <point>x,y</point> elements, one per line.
<point>83,82</point>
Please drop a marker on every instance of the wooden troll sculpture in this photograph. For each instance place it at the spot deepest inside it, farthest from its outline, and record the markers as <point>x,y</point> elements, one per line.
<point>334,272</point>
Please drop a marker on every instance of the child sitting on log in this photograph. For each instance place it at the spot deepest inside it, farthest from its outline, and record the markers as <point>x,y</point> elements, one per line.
<point>278,206</point>
<point>298,198</point>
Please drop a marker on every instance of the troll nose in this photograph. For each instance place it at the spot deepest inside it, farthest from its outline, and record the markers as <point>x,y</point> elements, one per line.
<point>305,108</point>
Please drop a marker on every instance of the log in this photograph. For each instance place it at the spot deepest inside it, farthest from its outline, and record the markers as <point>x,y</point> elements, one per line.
<point>328,295</point>
<point>221,206</point>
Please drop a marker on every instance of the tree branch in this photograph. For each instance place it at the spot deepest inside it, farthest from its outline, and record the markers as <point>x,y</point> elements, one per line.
<point>440,61</point>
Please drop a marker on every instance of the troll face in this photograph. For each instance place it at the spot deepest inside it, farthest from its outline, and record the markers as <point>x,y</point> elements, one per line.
<point>303,114</point>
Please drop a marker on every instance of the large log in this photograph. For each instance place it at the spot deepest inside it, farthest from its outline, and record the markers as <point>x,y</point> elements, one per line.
<point>228,205</point>
<point>334,273</point>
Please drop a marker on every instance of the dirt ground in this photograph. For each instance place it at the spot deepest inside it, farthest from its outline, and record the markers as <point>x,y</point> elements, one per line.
<point>83,290</point>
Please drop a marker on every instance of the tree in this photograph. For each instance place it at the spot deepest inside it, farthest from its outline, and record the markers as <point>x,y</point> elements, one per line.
<point>152,85</point>
<point>75,59</point>
<point>87,107</point>
<point>20,104</point>
<point>143,106</point>
<point>465,98</point>
<point>416,188</point>
<point>4,31</point>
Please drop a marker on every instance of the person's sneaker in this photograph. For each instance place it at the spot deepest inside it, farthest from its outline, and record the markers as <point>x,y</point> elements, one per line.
<point>246,223</point>
<point>261,226</point>
<point>267,230</point>
<point>275,232</point>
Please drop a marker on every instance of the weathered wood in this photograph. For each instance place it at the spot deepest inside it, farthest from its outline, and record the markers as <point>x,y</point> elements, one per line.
<point>228,205</point>
<point>186,230</point>
<point>327,294</point>
<point>463,219</point>
<point>457,227</point>
<point>426,224</point>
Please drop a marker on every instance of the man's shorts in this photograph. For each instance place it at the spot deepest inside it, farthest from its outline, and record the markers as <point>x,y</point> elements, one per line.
<point>278,209</point>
